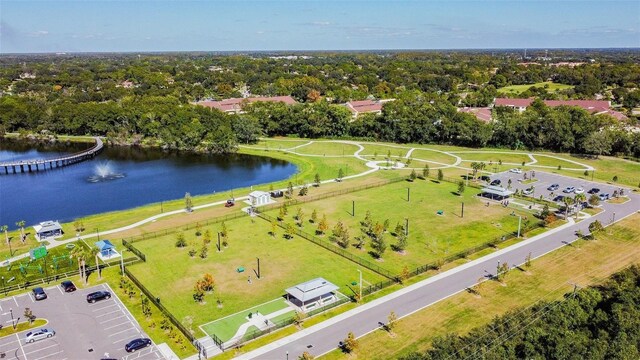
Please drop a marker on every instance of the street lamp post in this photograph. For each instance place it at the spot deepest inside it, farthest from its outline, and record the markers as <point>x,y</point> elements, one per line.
<point>4,287</point>
<point>360,283</point>
<point>519,223</point>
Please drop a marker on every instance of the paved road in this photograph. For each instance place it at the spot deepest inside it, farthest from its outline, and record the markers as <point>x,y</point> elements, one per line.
<point>326,336</point>
<point>83,331</point>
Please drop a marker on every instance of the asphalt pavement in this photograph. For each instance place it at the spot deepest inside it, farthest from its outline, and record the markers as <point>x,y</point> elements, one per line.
<point>326,336</point>
<point>83,330</point>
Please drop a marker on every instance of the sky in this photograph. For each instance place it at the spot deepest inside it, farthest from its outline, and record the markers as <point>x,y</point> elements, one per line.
<point>144,25</point>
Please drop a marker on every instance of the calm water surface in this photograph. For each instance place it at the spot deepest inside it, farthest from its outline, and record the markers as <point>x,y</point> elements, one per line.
<point>137,177</point>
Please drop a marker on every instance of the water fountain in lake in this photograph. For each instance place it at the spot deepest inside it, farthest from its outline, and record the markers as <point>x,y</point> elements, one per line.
<point>104,171</point>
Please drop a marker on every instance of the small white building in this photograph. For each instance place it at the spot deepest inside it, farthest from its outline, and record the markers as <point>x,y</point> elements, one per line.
<point>48,229</point>
<point>257,198</point>
<point>312,294</point>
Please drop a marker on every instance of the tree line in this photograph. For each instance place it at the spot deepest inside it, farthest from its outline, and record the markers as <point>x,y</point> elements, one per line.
<point>598,322</point>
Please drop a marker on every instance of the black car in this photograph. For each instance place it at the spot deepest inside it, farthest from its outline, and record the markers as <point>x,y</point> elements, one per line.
<point>98,295</point>
<point>68,286</point>
<point>496,182</point>
<point>137,344</point>
<point>593,191</point>
<point>276,194</point>
<point>39,293</point>
<point>485,178</point>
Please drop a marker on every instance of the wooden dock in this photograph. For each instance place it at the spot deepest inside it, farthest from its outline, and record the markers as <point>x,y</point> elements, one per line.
<point>27,166</point>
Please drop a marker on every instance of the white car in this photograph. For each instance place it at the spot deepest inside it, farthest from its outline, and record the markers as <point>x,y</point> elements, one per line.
<point>516,171</point>
<point>38,334</point>
<point>528,191</point>
<point>579,190</point>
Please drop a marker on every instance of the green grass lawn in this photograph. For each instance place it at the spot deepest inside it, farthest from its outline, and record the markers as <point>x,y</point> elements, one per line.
<point>326,148</point>
<point>383,149</point>
<point>431,236</point>
<point>279,143</point>
<point>433,156</point>
<point>494,157</point>
<point>544,160</point>
<point>517,89</point>
<point>171,273</point>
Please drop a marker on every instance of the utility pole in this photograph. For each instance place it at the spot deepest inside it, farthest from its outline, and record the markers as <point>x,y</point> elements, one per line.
<point>406,226</point>
<point>219,249</point>
<point>258,267</point>
<point>519,223</point>
<point>408,194</point>
<point>463,209</point>
<point>353,208</point>
<point>360,283</point>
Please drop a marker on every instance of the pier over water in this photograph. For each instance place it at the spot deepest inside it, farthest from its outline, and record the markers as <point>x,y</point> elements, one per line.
<point>25,166</point>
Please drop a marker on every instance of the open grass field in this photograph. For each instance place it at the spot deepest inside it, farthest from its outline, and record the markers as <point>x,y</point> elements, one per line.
<point>431,236</point>
<point>435,156</point>
<point>544,160</point>
<point>326,148</point>
<point>517,89</point>
<point>551,276</point>
<point>279,143</point>
<point>171,273</point>
<point>494,157</point>
<point>382,149</point>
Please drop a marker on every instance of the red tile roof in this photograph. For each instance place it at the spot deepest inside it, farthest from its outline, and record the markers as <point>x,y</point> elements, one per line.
<point>513,102</point>
<point>616,114</point>
<point>482,113</point>
<point>235,104</point>
<point>364,106</point>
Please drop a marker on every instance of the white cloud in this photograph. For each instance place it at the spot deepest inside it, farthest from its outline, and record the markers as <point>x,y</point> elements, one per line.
<point>38,33</point>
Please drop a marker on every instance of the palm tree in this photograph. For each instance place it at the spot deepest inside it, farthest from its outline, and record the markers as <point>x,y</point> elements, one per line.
<point>5,228</point>
<point>580,198</point>
<point>475,166</point>
<point>21,224</point>
<point>95,251</point>
<point>567,202</point>
<point>81,253</point>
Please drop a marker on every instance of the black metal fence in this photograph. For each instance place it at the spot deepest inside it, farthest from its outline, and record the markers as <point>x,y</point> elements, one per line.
<point>331,247</point>
<point>134,250</point>
<point>156,301</point>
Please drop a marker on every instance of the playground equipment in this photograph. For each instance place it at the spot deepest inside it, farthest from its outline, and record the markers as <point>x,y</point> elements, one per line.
<point>62,258</point>
<point>24,268</point>
<point>240,269</point>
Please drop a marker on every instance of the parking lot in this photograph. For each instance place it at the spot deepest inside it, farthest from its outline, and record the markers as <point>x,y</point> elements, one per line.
<point>83,330</point>
<point>544,180</point>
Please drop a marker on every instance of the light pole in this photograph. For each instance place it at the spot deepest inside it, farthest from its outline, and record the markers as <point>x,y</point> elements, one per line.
<point>519,223</point>
<point>4,287</point>
<point>360,283</point>
<point>287,355</point>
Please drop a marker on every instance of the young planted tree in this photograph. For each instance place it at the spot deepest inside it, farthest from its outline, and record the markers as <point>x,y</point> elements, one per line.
<point>399,229</point>
<point>323,225</point>
<point>460,187</point>
<point>314,216</point>
<point>594,200</point>
<point>274,227</point>
<point>300,217</point>
<point>527,261</point>
<point>224,234</point>
<point>289,193</point>
<point>204,251</point>
<point>440,175</point>
<point>341,235</point>
<point>289,231</point>
<point>426,171</point>
<point>401,245</point>
<point>595,227</point>
<point>391,321</point>
<point>208,282</point>
<point>404,275</point>
<point>180,240</point>
<point>350,343</point>
<point>188,202</point>
<point>198,292</point>
<point>340,174</point>
<point>413,175</point>
<point>304,190</point>
<point>306,356</point>
<point>316,180</point>
<point>385,225</point>
<point>378,243</point>
<point>207,236</point>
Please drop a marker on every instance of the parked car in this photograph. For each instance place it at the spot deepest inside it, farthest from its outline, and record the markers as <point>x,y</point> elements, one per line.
<point>553,187</point>
<point>569,190</point>
<point>276,194</point>
<point>229,203</point>
<point>594,191</point>
<point>604,196</point>
<point>39,294</point>
<point>98,295</point>
<point>496,182</point>
<point>558,198</point>
<point>39,334</point>
<point>579,190</point>
<point>68,286</point>
<point>528,191</point>
<point>485,178</point>
<point>516,171</point>
<point>137,344</point>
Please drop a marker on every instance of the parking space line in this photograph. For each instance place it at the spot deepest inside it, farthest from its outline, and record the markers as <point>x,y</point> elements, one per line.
<point>31,297</point>
<point>122,340</point>
<point>120,332</point>
<point>21,349</point>
<point>48,355</point>
<point>39,349</point>
<point>16,301</point>
<point>59,288</point>
<point>111,327</point>
<point>109,313</point>
<point>102,303</point>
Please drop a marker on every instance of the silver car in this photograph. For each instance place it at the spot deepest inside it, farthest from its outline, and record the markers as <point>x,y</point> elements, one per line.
<point>38,334</point>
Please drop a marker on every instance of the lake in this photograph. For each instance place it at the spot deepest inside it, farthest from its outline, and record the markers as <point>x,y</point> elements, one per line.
<point>120,178</point>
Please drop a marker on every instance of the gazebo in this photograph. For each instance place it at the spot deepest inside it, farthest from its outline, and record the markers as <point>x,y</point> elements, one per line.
<point>496,192</point>
<point>312,294</point>
<point>107,250</point>
<point>48,229</point>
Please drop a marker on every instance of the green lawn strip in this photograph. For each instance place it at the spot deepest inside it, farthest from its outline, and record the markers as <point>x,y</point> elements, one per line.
<point>546,160</point>
<point>278,143</point>
<point>431,236</point>
<point>550,86</point>
<point>548,279</point>
<point>494,157</point>
<point>381,149</point>
<point>227,327</point>
<point>327,148</point>
<point>434,156</point>
<point>283,317</point>
<point>7,329</point>
<point>284,263</point>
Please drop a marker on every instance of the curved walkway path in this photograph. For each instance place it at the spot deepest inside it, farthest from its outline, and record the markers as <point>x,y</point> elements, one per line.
<point>372,164</point>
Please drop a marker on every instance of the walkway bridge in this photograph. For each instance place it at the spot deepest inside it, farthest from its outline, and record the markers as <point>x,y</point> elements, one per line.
<point>24,166</point>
